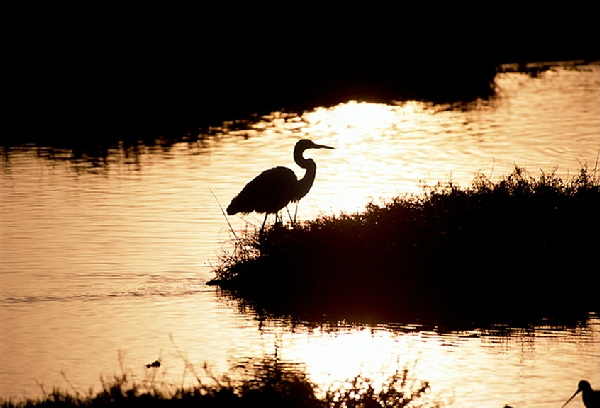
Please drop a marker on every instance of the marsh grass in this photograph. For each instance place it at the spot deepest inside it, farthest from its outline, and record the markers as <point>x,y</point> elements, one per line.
<point>511,251</point>
<point>264,383</point>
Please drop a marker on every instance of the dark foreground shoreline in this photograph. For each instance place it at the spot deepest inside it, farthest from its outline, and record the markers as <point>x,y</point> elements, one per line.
<point>264,383</point>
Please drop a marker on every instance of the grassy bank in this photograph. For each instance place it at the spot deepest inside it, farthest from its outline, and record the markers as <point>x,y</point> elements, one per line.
<point>514,251</point>
<point>265,383</point>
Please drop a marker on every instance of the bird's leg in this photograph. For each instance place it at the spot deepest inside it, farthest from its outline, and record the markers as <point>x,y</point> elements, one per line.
<point>263,224</point>
<point>278,218</point>
<point>293,221</point>
<point>295,212</point>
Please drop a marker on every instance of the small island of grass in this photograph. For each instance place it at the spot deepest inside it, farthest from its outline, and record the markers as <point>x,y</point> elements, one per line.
<point>508,252</point>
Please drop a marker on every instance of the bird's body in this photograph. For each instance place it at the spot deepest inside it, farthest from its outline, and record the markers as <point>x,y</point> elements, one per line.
<point>273,189</point>
<point>268,192</point>
<point>591,398</point>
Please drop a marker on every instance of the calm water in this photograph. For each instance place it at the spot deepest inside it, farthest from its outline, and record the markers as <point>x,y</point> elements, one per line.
<point>97,261</point>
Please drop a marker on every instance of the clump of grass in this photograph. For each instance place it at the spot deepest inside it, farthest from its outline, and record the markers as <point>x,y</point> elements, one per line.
<point>265,383</point>
<point>518,249</point>
<point>397,391</point>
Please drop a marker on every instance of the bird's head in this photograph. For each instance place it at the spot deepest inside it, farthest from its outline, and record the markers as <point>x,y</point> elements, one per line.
<point>583,386</point>
<point>303,144</point>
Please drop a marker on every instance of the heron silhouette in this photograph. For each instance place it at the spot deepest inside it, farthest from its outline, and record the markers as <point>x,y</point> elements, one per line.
<point>591,398</point>
<point>275,188</point>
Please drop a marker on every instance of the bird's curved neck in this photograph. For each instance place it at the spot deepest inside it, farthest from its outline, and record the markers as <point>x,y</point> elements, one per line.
<point>306,182</point>
<point>300,160</point>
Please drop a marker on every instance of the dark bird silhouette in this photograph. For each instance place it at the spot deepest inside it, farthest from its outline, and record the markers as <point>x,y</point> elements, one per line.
<point>591,398</point>
<point>275,188</point>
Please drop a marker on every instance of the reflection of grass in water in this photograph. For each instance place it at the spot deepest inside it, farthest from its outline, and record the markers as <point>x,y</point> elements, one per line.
<point>252,383</point>
<point>514,251</point>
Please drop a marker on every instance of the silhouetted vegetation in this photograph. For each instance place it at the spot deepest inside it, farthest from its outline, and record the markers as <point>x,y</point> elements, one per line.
<point>515,251</point>
<point>267,383</point>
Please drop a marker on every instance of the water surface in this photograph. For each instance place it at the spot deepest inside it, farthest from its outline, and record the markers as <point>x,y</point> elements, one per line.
<point>98,258</point>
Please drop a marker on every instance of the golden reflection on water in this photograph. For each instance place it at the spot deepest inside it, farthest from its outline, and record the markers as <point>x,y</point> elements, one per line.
<point>351,121</point>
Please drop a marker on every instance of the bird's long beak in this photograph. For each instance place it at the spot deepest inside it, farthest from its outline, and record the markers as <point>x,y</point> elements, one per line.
<point>318,146</point>
<point>569,400</point>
